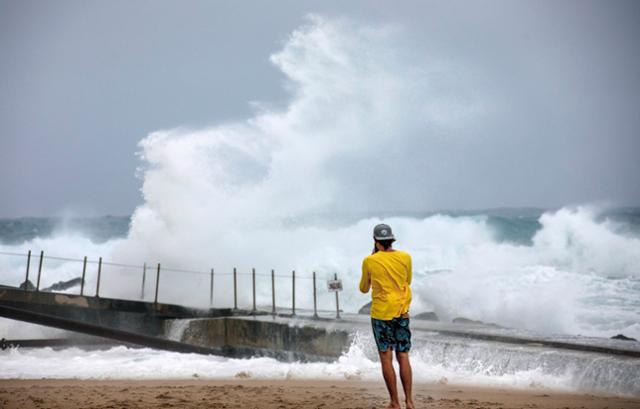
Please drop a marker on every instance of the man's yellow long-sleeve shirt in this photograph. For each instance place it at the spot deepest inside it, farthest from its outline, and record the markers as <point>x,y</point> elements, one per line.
<point>388,274</point>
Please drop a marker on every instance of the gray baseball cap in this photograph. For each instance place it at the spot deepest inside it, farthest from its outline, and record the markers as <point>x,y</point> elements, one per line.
<point>383,232</point>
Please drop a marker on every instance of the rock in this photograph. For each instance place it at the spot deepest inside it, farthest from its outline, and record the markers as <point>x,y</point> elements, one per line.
<point>462,320</point>
<point>427,316</point>
<point>624,338</point>
<point>366,309</point>
<point>64,285</point>
<point>27,285</point>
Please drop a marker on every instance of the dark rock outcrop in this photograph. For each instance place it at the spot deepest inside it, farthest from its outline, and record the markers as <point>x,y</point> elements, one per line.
<point>28,285</point>
<point>623,338</point>
<point>427,316</point>
<point>366,309</point>
<point>64,285</point>
<point>462,320</point>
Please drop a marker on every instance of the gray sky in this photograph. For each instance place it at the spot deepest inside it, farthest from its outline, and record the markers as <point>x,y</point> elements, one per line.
<point>81,82</point>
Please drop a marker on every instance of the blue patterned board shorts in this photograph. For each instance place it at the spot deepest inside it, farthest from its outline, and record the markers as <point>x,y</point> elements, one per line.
<point>393,334</point>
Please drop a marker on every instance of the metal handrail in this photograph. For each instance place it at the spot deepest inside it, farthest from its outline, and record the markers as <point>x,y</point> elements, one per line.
<point>100,262</point>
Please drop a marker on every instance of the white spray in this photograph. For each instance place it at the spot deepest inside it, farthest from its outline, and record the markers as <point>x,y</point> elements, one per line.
<point>274,191</point>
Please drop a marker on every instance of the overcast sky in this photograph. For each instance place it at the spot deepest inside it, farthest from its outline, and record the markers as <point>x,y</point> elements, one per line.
<point>82,82</point>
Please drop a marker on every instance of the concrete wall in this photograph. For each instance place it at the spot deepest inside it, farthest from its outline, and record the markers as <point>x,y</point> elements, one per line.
<point>264,336</point>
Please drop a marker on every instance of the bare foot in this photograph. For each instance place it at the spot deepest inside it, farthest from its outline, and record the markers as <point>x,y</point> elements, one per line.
<point>410,404</point>
<point>393,406</point>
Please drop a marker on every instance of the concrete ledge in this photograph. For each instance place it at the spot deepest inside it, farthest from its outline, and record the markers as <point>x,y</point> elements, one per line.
<point>266,338</point>
<point>135,316</point>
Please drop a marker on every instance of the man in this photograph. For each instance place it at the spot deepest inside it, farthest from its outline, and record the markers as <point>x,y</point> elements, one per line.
<point>388,273</point>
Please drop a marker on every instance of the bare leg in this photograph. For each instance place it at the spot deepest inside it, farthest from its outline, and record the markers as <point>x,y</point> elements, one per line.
<point>389,375</point>
<point>406,376</point>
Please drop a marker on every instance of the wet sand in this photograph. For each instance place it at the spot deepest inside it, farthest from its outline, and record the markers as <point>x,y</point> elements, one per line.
<point>280,394</point>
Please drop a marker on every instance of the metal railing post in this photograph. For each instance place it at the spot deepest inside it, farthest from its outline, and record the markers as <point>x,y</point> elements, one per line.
<point>39,270</point>
<point>144,278</point>
<point>26,279</point>
<point>315,301</point>
<point>155,300</point>
<point>293,292</point>
<point>235,289</point>
<point>273,293</point>
<point>84,273</point>
<point>335,277</point>
<point>211,290</point>
<point>253,276</point>
<point>99,274</point>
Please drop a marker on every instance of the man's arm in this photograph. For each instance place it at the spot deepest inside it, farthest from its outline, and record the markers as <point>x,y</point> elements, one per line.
<point>410,273</point>
<point>365,280</point>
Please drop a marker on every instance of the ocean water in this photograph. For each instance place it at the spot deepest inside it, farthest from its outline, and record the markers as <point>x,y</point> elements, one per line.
<point>435,359</point>
<point>567,271</point>
<point>127,363</point>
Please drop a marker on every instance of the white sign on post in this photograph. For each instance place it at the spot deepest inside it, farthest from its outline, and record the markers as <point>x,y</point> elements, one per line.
<point>334,285</point>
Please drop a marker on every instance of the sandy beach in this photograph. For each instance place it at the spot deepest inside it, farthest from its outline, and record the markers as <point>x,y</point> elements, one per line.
<point>282,394</point>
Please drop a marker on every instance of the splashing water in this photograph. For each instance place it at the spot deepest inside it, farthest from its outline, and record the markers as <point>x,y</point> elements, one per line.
<point>295,188</point>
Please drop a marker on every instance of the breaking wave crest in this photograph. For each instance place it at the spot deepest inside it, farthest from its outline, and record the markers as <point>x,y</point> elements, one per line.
<point>294,188</point>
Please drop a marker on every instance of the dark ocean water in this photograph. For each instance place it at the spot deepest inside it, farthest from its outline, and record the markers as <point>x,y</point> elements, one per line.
<point>98,229</point>
<point>513,225</point>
